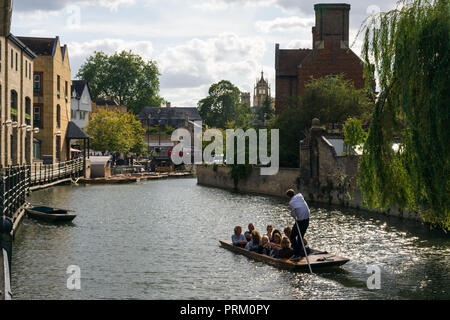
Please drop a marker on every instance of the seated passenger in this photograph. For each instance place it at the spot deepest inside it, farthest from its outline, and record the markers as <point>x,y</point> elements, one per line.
<point>286,251</point>
<point>255,244</point>
<point>287,232</point>
<point>276,244</point>
<point>276,231</point>
<point>269,231</point>
<point>238,238</point>
<point>248,233</point>
<point>266,247</point>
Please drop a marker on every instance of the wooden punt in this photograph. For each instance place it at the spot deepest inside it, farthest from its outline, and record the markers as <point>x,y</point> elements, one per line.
<point>49,214</point>
<point>316,260</point>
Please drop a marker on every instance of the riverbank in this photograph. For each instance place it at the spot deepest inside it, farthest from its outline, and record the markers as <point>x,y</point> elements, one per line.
<point>135,177</point>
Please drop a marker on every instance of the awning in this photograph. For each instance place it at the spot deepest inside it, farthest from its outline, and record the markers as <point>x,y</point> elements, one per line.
<point>74,132</point>
<point>74,150</point>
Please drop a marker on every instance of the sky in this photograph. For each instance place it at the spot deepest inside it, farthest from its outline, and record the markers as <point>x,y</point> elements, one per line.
<point>195,43</point>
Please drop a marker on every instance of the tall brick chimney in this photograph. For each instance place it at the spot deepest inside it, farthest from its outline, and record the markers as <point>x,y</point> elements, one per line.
<point>5,17</point>
<point>332,25</point>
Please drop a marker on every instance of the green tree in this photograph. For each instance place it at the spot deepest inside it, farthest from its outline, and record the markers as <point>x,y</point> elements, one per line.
<point>409,47</point>
<point>331,99</point>
<point>116,131</point>
<point>354,134</point>
<point>123,76</point>
<point>266,111</point>
<point>222,106</point>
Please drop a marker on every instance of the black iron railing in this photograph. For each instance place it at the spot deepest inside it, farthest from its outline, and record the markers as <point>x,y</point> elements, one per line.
<point>15,181</point>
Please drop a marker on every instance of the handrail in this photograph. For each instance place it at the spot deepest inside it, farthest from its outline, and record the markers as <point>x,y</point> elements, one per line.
<point>15,181</point>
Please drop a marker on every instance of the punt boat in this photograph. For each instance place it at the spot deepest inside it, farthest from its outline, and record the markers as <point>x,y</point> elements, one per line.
<point>317,259</point>
<point>49,214</point>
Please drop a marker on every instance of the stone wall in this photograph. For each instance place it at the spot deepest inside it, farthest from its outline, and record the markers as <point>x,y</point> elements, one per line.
<point>323,177</point>
<point>276,185</point>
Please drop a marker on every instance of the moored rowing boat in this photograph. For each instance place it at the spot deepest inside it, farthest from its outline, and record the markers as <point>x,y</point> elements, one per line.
<point>50,214</point>
<point>317,259</point>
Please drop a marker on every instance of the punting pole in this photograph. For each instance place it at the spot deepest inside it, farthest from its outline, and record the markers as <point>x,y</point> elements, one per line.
<point>303,245</point>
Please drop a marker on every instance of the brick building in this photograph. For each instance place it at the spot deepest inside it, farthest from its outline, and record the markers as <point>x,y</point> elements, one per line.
<point>16,94</point>
<point>51,103</point>
<point>330,55</point>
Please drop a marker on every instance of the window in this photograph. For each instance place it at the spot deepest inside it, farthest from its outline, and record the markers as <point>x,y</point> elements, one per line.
<point>28,111</point>
<point>58,148</point>
<point>37,115</point>
<point>12,59</point>
<point>36,148</point>
<point>26,69</point>
<point>73,114</point>
<point>17,61</point>
<point>58,86</point>
<point>82,115</point>
<point>66,93</point>
<point>29,70</point>
<point>13,105</point>
<point>58,116</point>
<point>37,84</point>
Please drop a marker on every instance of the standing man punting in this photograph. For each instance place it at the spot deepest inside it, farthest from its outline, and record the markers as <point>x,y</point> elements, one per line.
<point>300,212</point>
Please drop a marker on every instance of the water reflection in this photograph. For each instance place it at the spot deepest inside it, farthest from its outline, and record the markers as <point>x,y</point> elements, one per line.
<point>159,240</point>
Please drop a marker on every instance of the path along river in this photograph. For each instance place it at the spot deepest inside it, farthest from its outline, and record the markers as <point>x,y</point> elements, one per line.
<point>159,240</point>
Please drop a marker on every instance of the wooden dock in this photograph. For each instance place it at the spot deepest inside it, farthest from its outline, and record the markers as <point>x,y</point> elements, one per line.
<point>135,177</point>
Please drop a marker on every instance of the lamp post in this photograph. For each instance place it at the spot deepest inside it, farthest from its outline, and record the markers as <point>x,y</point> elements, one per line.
<point>148,134</point>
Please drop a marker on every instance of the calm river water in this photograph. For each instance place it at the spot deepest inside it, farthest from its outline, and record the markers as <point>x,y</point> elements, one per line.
<point>159,240</point>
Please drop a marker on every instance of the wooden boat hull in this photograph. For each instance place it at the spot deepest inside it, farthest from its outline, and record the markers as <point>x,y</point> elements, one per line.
<point>301,265</point>
<point>54,216</point>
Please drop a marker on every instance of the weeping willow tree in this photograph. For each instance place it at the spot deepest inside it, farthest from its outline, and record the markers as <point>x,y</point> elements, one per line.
<point>407,51</point>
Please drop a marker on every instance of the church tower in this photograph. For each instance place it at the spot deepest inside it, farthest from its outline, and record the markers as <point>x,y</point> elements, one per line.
<point>262,90</point>
<point>5,17</point>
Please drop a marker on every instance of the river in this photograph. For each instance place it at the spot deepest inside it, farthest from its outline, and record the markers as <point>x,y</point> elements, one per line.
<point>159,240</point>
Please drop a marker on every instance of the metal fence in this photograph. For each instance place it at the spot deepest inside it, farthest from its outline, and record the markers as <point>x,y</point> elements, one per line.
<point>41,174</point>
<point>15,181</point>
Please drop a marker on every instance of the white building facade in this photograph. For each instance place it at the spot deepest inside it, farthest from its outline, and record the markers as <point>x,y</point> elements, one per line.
<point>81,105</point>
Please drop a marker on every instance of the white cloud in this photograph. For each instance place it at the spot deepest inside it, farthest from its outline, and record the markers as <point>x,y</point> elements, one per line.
<point>57,5</point>
<point>202,62</point>
<point>299,44</point>
<point>110,46</point>
<point>225,4</point>
<point>287,24</point>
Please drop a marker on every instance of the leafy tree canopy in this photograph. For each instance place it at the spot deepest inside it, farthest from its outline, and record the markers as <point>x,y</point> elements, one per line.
<point>331,99</point>
<point>123,76</point>
<point>354,134</point>
<point>266,111</point>
<point>222,107</point>
<point>409,47</point>
<point>116,131</point>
